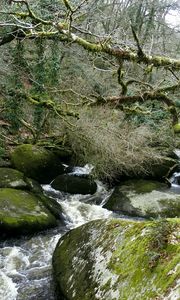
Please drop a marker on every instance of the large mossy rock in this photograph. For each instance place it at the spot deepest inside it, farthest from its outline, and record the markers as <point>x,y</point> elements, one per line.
<point>144,198</point>
<point>11,178</point>
<point>22,212</point>
<point>74,184</point>
<point>36,162</point>
<point>116,260</point>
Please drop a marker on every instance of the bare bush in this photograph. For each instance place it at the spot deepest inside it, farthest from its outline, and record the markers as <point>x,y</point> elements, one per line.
<point>104,139</point>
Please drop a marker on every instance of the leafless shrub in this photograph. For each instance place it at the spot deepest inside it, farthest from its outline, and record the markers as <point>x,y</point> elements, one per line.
<point>103,138</point>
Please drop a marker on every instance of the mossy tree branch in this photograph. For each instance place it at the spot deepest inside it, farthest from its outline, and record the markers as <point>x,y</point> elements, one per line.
<point>57,29</point>
<point>117,101</point>
<point>51,105</point>
<point>38,27</point>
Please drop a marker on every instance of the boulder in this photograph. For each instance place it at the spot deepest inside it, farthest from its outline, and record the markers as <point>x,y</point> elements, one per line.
<point>22,213</point>
<point>144,198</point>
<point>74,184</point>
<point>5,163</point>
<point>176,128</point>
<point>118,259</point>
<point>36,162</point>
<point>51,204</point>
<point>164,168</point>
<point>33,186</point>
<point>10,178</point>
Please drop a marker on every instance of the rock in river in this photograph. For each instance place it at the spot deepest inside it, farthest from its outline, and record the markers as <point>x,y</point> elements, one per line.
<point>36,162</point>
<point>118,259</point>
<point>144,198</point>
<point>22,212</point>
<point>74,184</point>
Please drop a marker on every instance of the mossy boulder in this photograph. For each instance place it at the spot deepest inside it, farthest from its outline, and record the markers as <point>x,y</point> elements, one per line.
<point>176,128</point>
<point>118,259</point>
<point>36,162</point>
<point>74,184</point>
<point>51,204</point>
<point>144,198</point>
<point>11,178</point>
<point>22,212</point>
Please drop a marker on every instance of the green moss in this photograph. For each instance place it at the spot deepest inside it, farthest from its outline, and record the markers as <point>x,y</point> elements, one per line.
<point>22,212</point>
<point>117,259</point>
<point>144,198</point>
<point>89,46</point>
<point>145,186</point>
<point>12,178</point>
<point>36,162</point>
<point>176,128</point>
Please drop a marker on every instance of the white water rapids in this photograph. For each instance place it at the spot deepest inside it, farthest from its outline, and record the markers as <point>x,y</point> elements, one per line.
<point>25,264</point>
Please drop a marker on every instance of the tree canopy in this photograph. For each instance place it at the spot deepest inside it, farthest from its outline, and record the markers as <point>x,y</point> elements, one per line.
<point>126,34</point>
<point>103,67</point>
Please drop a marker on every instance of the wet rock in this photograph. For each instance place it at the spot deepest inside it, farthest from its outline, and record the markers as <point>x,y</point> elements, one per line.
<point>22,212</point>
<point>144,198</point>
<point>5,163</point>
<point>117,259</point>
<point>53,206</point>
<point>36,162</point>
<point>164,168</point>
<point>33,186</point>
<point>11,178</point>
<point>74,184</point>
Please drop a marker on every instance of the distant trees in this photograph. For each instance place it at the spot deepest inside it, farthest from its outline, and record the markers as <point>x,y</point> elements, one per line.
<point>120,37</point>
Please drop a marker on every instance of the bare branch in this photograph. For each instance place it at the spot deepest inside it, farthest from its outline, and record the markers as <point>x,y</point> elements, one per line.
<point>140,51</point>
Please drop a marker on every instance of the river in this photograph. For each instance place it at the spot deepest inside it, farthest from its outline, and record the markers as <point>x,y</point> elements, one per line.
<point>25,263</point>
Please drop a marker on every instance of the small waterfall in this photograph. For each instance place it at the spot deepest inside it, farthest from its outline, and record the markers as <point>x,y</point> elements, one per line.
<point>175,178</point>
<point>77,209</point>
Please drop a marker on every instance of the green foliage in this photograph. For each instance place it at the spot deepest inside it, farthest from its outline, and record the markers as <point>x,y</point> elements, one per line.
<point>14,101</point>
<point>40,80</point>
<point>151,113</point>
<point>53,66</point>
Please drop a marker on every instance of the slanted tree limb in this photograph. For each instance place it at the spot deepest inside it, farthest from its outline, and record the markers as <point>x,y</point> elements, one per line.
<point>140,51</point>
<point>120,78</point>
<point>29,127</point>
<point>57,29</point>
<point>50,104</point>
<point>117,101</point>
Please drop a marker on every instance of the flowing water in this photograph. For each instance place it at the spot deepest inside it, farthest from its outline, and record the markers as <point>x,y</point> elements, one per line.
<point>25,264</point>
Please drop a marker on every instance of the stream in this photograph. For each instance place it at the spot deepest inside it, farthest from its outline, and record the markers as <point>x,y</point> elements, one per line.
<point>25,263</point>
